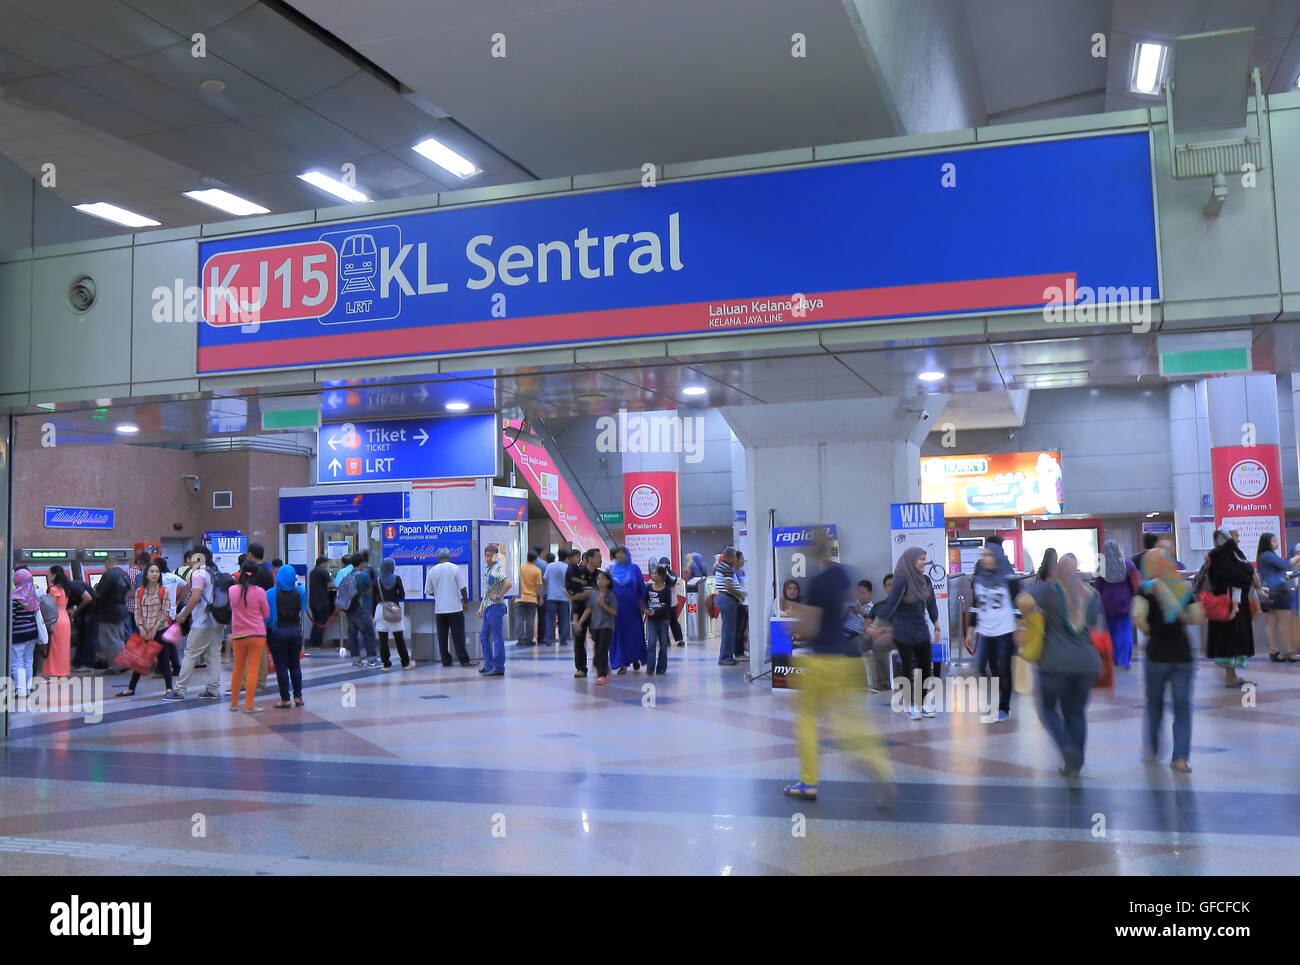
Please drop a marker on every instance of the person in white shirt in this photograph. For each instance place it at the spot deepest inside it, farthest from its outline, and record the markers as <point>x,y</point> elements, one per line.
<point>445,585</point>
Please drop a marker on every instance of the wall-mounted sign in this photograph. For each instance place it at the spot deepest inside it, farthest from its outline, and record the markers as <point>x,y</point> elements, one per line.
<point>386,450</point>
<point>611,519</point>
<point>79,517</point>
<point>704,257</point>
<point>921,524</point>
<point>1248,492</point>
<point>994,484</point>
<point>341,506</point>
<point>1157,527</point>
<point>651,518</point>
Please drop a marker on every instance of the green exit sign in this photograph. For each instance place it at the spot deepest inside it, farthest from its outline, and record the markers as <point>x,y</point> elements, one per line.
<point>1206,361</point>
<point>291,419</point>
<point>611,517</point>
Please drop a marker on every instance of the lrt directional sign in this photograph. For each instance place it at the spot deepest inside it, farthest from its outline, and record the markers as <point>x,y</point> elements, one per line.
<point>449,447</point>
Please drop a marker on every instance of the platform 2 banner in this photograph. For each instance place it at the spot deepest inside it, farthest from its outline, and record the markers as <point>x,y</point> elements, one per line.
<point>964,231</point>
<point>651,518</point>
<point>1248,493</point>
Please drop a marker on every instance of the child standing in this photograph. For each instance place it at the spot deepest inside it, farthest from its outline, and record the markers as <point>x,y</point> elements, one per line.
<point>658,621</point>
<point>599,616</point>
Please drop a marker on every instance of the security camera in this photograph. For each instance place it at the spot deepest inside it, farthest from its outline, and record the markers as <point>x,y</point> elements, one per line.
<point>193,481</point>
<point>925,415</point>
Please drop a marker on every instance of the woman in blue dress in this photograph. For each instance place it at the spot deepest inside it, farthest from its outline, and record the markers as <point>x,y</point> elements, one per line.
<point>628,646</point>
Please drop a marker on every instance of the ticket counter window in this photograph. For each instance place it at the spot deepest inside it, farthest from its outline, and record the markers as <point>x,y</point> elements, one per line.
<point>1081,542</point>
<point>336,540</point>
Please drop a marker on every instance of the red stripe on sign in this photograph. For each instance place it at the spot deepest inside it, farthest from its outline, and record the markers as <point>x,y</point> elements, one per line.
<point>698,318</point>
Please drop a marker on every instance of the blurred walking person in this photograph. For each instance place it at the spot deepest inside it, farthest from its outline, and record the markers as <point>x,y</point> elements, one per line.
<point>993,616</point>
<point>1116,584</point>
<point>831,681</point>
<point>530,585</point>
<point>1070,662</point>
<point>1162,612</point>
<point>203,645</point>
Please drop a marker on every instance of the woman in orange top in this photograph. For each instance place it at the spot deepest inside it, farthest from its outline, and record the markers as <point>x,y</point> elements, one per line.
<point>249,613</point>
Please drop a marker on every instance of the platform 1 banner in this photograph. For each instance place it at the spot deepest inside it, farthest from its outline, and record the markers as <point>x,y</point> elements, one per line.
<point>651,518</point>
<point>932,235</point>
<point>1248,493</point>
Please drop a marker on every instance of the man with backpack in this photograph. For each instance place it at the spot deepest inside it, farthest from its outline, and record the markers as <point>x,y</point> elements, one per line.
<point>354,600</point>
<point>208,609</point>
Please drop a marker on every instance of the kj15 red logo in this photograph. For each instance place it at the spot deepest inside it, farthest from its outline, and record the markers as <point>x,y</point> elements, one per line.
<point>270,284</point>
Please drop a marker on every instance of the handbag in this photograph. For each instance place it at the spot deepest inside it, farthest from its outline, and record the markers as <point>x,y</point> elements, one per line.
<point>391,609</point>
<point>138,654</point>
<point>42,648</point>
<point>1031,639</point>
<point>1106,650</point>
<point>1022,676</point>
<point>172,634</point>
<point>1217,606</point>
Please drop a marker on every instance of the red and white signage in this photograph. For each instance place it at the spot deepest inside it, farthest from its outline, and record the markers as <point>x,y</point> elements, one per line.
<point>544,477</point>
<point>1248,492</point>
<point>651,517</point>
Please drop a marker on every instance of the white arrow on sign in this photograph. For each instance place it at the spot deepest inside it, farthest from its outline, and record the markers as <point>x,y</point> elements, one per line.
<point>335,466</point>
<point>423,437</point>
<point>333,442</point>
<point>424,393</point>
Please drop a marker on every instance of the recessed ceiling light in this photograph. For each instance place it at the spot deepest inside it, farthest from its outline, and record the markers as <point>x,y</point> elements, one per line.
<point>45,405</point>
<point>591,396</point>
<point>225,201</point>
<point>694,390</point>
<point>111,212</point>
<point>457,406</point>
<point>127,428</point>
<point>319,179</point>
<point>1148,67</point>
<point>212,85</point>
<point>447,159</point>
<point>932,376</point>
<point>1152,515</point>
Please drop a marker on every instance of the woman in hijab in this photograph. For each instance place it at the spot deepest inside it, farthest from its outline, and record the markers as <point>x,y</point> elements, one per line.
<point>1162,612</point>
<point>1070,663</point>
<point>390,615</point>
<point>910,600</point>
<point>674,625</point>
<point>1116,584</point>
<point>628,645</point>
<point>995,588</point>
<point>24,630</point>
<point>1230,643</point>
<point>286,603</point>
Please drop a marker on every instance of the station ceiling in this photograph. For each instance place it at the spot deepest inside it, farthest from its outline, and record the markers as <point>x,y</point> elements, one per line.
<point>109,92</point>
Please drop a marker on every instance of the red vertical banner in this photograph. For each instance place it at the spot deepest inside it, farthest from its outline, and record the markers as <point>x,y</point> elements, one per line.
<point>651,517</point>
<point>1248,493</point>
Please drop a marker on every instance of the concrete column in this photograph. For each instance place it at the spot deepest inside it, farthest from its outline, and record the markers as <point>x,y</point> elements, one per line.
<point>821,462</point>
<point>1189,447</point>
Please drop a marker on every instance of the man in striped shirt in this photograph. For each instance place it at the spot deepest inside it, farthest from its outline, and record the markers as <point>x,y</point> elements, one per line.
<point>729,597</point>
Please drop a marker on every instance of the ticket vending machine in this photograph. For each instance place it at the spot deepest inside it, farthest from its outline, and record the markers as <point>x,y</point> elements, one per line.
<point>91,562</point>
<point>39,561</point>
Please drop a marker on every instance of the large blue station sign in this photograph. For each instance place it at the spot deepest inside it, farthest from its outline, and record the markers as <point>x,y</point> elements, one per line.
<point>447,447</point>
<point>984,229</point>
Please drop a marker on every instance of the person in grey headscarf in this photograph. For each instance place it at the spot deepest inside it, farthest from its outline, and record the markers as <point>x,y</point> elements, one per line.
<point>993,613</point>
<point>1117,582</point>
<point>910,599</point>
<point>390,614</point>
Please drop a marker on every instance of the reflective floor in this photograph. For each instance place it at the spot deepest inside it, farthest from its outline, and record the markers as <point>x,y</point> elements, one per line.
<point>438,770</point>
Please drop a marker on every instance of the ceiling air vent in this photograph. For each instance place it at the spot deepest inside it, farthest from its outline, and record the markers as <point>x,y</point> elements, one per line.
<point>81,294</point>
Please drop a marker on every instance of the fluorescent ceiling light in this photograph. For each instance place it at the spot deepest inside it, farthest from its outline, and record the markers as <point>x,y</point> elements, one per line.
<point>933,376</point>
<point>457,406</point>
<point>1148,67</point>
<point>319,179</point>
<point>694,390</point>
<point>447,159</point>
<point>111,212</point>
<point>128,428</point>
<point>225,201</point>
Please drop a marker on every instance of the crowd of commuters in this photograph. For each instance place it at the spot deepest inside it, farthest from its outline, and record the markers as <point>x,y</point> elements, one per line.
<point>621,617</point>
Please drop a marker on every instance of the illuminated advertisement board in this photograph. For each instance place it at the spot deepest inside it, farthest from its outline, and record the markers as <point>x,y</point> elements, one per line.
<point>994,484</point>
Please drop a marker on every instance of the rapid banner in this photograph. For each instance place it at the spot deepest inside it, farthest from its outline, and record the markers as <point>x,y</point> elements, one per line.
<point>1248,493</point>
<point>928,235</point>
<point>994,484</point>
<point>651,518</point>
<point>921,524</point>
<point>544,477</point>
<point>794,567</point>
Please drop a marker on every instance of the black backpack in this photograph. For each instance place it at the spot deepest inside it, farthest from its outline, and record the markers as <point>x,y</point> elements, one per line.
<point>288,608</point>
<point>220,605</point>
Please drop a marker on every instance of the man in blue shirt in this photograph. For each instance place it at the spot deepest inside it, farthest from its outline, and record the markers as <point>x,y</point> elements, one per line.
<point>554,578</point>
